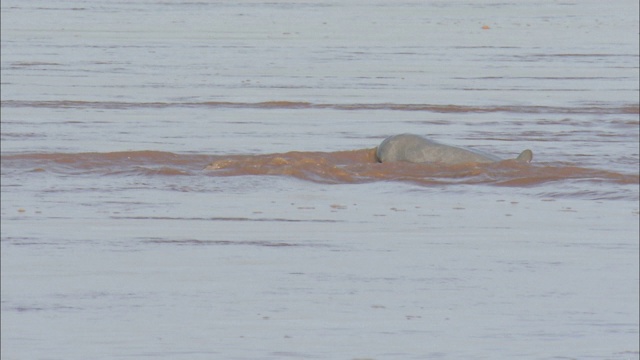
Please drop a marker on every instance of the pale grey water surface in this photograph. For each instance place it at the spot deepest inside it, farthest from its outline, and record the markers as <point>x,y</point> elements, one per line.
<point>117,243</point>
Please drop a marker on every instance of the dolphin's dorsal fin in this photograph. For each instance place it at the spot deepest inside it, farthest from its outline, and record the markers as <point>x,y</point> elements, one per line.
<point>525,156</point>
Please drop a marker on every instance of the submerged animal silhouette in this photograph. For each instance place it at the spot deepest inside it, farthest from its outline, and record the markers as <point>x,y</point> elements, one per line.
<point>418,149</point>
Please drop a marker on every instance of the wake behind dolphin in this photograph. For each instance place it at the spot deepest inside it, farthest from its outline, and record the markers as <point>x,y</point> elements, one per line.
<point>418,149</point>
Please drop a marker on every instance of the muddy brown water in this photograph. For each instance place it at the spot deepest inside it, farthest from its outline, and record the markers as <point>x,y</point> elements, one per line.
<point>189,180</point>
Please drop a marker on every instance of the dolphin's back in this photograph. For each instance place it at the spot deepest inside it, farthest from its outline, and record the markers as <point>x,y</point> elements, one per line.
<point>417,149</point>
<point>525,156</point>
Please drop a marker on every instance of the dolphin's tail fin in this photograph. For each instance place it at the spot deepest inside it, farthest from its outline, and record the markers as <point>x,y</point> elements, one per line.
<point>525,156</point>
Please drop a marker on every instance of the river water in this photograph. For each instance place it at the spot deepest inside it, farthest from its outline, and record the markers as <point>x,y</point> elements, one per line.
<point>197,180</point>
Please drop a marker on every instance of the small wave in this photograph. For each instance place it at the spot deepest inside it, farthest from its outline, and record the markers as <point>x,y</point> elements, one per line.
<point>197,242</point>
<point>110,163</point>
<point>340,167</point>
<point>360,166</point>
<point>628,109</point>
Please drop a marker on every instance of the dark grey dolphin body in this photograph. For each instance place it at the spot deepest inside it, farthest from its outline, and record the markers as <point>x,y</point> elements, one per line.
<point>417,149</point>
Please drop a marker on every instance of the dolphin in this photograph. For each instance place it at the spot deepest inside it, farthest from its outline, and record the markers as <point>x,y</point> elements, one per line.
<point>418,149</point>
